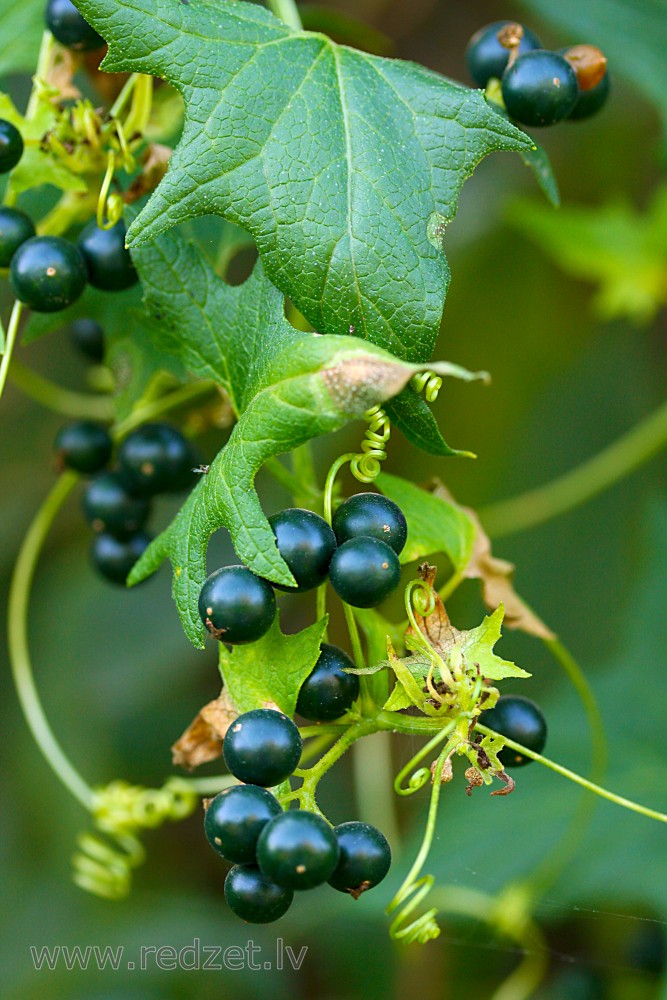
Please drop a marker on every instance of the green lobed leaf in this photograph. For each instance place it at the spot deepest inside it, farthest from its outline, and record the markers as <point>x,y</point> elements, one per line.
<point>345,167</point>
<point>271,671</point>
<point>477,644</point>
<point>434,524</point>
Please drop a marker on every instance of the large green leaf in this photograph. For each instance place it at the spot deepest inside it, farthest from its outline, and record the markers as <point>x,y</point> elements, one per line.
<point>344,167</point>
<point>271,671</point>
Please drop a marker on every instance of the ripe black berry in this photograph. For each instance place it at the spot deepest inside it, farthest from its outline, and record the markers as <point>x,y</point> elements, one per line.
<point>236,606</point>
<point>540,88</point>
<point>298,850</point>
<point>520,720</point>
<point>235,818</point>
<point>83,446</point>
<point>255,898</point>
<point>157,458</point>
<point>262,747</point>
<point>328,691</point>
<point>365,858</point>
<point>110,506</point>
<point>11,146</point>
<point>48,273</point>
<point>114,557</point>
<point>373,515</point>
<point>109,264</point>
<point>306,543</point>
<point>364,571</point>
<point>70,28</point>
<point>88,337</point>
<point>15,228</point>
<point>486,57</point>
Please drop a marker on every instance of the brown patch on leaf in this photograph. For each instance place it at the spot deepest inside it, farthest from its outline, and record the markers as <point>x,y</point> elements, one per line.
<point>496,576</point>
<point>202,740</point>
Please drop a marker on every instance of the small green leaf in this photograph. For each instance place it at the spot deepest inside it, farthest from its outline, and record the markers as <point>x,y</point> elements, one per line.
<point>434,524</point>
<point>271,671</point>
<point>477,644</point>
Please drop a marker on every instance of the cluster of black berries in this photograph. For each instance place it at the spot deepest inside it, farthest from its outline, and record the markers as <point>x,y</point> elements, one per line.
<point>359,554</point>
<point>274,852</point>
<point>155,458</point>
<point>539,87</point>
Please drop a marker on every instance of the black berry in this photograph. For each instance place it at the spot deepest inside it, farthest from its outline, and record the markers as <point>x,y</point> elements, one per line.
<point>520,720</point>
<point>262,747</point>
<point>372,515</point>
<point>70,28</point>
<point>11,146</point>
<point>114,557</point>
<point>48,273</point>
<point>255,898</point>
<point>540,88</point>
<point>88,337</point>
<point>298,850</point>
<point>157,458</point>
<point>328,691</point>
<point>83,446</point>
<point>364,571</point>
<point>110,506</point>
<point>15,228</point>
<point>365,858</point>
<point>109,264</point>
<point>306,543</point>
<point>235,818</point>
<point>486,57</point>
<point>236,606</point>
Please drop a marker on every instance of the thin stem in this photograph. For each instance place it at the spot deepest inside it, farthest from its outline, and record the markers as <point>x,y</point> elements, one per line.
<point>55,397</point>
<point>17,635</point>
<point>576,487</point>
<point>43,60</point>
<point>577,778</point>
<point>124,96</point>
<point>10,343</point>
<point>287,11</point>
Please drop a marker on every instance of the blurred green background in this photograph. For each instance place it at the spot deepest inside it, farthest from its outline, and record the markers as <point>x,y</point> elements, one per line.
<point>572,370</point>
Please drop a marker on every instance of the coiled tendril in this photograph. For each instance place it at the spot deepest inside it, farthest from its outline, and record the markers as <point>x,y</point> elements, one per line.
<point>103,865</point>
<point>366,466</point>
<point>429,383</point>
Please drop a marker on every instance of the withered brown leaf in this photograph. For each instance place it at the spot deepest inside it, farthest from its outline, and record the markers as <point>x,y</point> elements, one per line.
<point>202,740</point>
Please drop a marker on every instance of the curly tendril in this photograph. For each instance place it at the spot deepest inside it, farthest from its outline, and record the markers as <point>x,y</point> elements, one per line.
<point>422,775</point>
<point>366,466</point>
<point>429,383</point>
<point>105,860</point>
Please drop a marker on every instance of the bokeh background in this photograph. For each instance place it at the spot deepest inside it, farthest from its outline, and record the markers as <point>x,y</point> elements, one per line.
<point>565,309</point>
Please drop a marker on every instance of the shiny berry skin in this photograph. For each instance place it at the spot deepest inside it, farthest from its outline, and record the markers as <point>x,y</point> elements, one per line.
<point>48,273</point>
<point>255,898</point>
<point>540,88</point>
<point>11,146</point>
<point>83,446</point>
<point>328,691</point>
<point>109,264</point>
<point>590,102</point>
<point>306,543</point>
<point>486,57</point>
<point>15,228</point>
<point>114,557</point>
<point>373,515</point>
<point>235,818</point>
<point>70,28</point>
<point>262,747</point>
<point>364,571</point>
<point>236,606</point>
<point>364,860</point>
<point>110,506</point>
<point>520,720</point>
<point>298,850</point>
<point>88,337</point>
<point>157,458</point>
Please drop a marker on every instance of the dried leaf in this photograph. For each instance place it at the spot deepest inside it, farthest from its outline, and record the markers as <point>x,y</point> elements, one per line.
<point>436,628</point>
<point>496,577</point>
<point>202,740</point>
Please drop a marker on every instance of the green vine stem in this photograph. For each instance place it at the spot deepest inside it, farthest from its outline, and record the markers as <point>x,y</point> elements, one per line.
<point>54,397</point>
<point>576,487</point>
<point>10,343</point>
<point>17,636</point>
<point>604,793</point>
<point>287,11</point>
